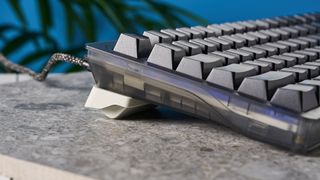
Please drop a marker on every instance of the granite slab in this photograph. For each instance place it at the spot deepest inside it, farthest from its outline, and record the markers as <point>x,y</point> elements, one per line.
<point>47,124</point>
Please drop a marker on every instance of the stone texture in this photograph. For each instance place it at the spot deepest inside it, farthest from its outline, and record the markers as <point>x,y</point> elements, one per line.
<point>46,123</point>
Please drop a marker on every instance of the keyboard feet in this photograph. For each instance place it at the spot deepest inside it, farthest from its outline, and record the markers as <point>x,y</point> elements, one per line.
<point>113,105</point>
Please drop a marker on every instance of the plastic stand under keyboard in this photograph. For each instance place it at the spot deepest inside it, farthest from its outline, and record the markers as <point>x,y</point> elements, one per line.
<point>115,105</point>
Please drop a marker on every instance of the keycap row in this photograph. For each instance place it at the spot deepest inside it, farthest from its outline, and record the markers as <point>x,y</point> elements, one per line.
<point>214,30</point>
<point>173,57</point>
<point>137,46</point>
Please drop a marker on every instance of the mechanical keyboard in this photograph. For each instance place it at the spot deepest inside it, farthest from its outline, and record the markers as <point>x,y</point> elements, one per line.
<point>258,77</point>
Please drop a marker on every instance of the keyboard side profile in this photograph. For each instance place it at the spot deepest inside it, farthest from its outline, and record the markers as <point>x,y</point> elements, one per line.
<point>259,78</point>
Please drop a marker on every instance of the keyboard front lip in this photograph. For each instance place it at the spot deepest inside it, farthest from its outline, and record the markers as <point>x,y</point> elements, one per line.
<point>290,121</point>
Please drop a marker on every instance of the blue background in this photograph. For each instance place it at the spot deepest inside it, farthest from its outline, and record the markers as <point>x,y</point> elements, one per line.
<point>214,11</point>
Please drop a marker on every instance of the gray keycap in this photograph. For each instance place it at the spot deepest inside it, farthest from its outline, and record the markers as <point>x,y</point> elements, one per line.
<point>260,67</point>
<point>237,27</point>
<point>310,55</point>
<point>244,55</point>
<point>312,42</point>
<point>273,36</point>
<point>311,29</point>
<point>274,63</point>
<point>223,29</point>
<point>292,46</point>
<point>133,45</point>
<point>192,34</point>
<point>284,35</point>
<point>229,58</point>
<point>258,53</point>
<point>302,44</point>
<point>270,51</point>
<point>249,26</point>
<point>223,45</point>
<point>199,65</point>
<point>315,50</point>
<point>217,31</point>
<point>296,97</point>
<point>264,86</point>
<point>288,61</point>
<point>271,22</point>
<point>205,46</point>
<point>282,21</point>
<point>293,32</point>
<point>175,35</point>
<point>249,40</point>
<point>157,37</point>
<point>262,38</point>
<point>302,31</point>
<point>313,83</point>
<point>230,76</point>
<point>300,57</point>
<point>317,37</point>
<point>190,48</point>
<point>280,47</point>
<point>166,55</point>
<point>206,32</point>
<point>236,42</point>
<point>313,71</point>
<point>262,24</point>
<point>299,74</point>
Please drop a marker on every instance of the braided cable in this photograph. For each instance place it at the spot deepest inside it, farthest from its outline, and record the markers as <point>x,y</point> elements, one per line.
<point>45,71</point>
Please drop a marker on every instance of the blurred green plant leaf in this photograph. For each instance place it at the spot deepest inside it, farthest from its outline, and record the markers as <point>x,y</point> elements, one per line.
<point>81,16</point>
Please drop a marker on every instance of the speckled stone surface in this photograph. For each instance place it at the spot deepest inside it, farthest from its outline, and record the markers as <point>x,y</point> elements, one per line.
<point>46,123</point>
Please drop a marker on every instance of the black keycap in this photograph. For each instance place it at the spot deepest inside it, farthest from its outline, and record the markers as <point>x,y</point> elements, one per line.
<point>175,35</point>
<point>192,34</point>
<point>157,37</point>
<point>274,63</point>
<point>299,74</point>
<point>302,31</point>
<point>230,76</point>
<point>244,55</point>
<point>190,48</point>
<point>264,86</point>
<point>133,45</point>
<point>205,46</point>
<point>199,65</point>
<point>299,98</point>
<point>166,55</point>
<point>261,67</point>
